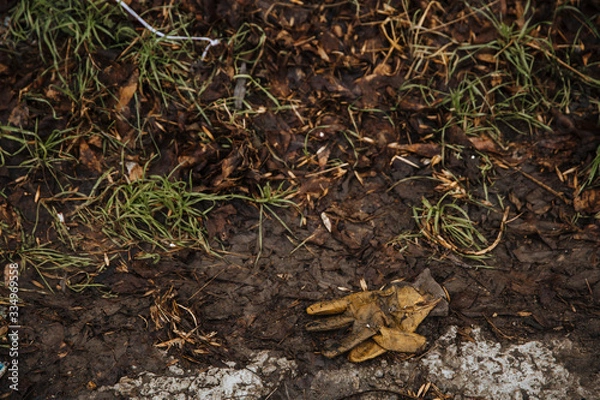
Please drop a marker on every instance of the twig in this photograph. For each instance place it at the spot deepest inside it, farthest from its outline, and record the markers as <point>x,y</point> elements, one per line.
<point>586,78</point>
<point>560,195</point>
<point>497,330</point>
<point>211,42</point>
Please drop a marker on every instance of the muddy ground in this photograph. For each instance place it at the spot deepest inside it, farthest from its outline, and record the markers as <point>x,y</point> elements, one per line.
<point>534,292</point>
<point>540,281</point>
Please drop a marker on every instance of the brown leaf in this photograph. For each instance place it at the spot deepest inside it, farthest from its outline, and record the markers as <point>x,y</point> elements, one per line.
<point>134,171</point>
<point>126,92</point>
<point>588,202</point>
<point>512,197</point>
<point>421,149</point>
<point>11,272</point>
<point>19,115</point>
<point>323,156</point>
<point>485,144</point>
<point>199,155</point>
<point>323,54</point>
<point>487,58</point>
<point>88,157</point>
<point>228,165</point>
<point>8,216</point>
<point>218,220</point>
<point>315,187</point>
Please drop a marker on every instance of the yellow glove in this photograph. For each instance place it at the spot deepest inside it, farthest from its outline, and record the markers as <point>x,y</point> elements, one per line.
<point>382,320</point>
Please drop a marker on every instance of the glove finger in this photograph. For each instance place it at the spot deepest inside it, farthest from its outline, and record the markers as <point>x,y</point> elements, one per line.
<point>328,324</point>
<point>328,307</point>
<point>403,342</point>
<point>356,337</point>
<point>365,351</point>
<point>354,300</point>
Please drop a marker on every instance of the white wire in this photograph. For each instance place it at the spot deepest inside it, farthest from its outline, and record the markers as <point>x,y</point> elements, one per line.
<point>211,42</point>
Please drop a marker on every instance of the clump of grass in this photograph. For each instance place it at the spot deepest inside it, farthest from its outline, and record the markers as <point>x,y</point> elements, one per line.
<point>449,225</point>
<point>164,68</point>
<point>507,90</point>
<point>69,33</point>
<point>67,269</point>
<point>491,89</point>
<point>247,48</point>
<point>39,154</point>
<point>166,214</point>
<point>505,93</point>
<point>66,33</point>
<point>86,25</point>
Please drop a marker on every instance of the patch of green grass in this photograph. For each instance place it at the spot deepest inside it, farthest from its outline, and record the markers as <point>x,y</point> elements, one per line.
<point>66,33</point>
<point>164,69</point>
<point>69,32</point>
<point>504,90</point>
<point>166,214</point>
<point>506,93</point>
<point>51,264</point>
<point>61,25</point>
<point>247,48</point>
<point>508,88</point>
<point>516,79</point>
<point>39,153</point>
<point>448,225</point>
<point>266,199</point>
<point>401,240</point>
<point>163,213</point>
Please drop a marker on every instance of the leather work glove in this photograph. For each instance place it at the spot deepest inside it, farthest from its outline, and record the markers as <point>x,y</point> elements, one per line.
<point>381,320</point>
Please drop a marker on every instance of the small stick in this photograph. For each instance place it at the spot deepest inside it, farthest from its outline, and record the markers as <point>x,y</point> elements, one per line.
<point>544,186</point>
<point>586,78</point>
<point>497,330</point>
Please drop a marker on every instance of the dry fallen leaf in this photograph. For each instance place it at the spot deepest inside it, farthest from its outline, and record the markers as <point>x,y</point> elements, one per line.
<point>134,171</point>
<point>588,201</point>
<point>88,157</point>
<point>126,92</point>
<point>19,115</point>
<point>326,221</point>
<point>487,58</point>
<point>421,149</point>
